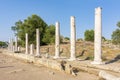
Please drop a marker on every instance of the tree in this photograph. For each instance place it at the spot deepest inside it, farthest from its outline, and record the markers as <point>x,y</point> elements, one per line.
<point>49,37</point>
<point>103,38</point>
<point>118,24</point>
<point>17,27</point>
<point>67,38</point>
<point>116,35</point>
<point>3,44</point>
<point>29,26</point>
<point>89,35</point>
<point>79,39</point>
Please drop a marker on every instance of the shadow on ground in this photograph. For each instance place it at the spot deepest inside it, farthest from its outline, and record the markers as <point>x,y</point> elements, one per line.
<point>117,58</point>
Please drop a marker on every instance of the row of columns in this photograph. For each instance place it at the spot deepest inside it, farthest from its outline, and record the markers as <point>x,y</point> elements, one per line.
<point>72,39</point>
<point>13,47</point>
<point>32,46</point>
<point>97,38</point>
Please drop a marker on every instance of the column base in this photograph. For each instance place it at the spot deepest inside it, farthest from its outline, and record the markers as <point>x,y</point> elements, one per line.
<point>97,62</point>
<point>38,55</point>
<point>47,55</point>
<point>31,54</point>
<point>26,53</point>
<point>72,59</point>
<point>56,57</point>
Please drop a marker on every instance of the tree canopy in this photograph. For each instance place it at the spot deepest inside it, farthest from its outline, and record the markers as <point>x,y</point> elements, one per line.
<point>67,38</point>
<point>49,36</point>
<point>89,35</point>
<point>3,44</point>
<point>29,26</point>
<point>116,35</point>
<point>118,24</point>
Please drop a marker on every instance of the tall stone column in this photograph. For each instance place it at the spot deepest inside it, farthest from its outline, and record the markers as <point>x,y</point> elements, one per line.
<point>73,38</point>
<point>18,49</point>
<point>13,48</point>
<point>11,44</point>
<point>57,40</point>
<point>31,49</point>
<point>16,44</point>
<point>98,34</point>
<point>27,46</point>
<point>37,43</point>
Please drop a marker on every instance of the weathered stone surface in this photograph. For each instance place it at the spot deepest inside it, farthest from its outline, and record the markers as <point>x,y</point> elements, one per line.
<point>108,76</point>
<point>37,42</point>
<point>46,62</point>
<point>18,49</point>
<point>64,65</point>
<point>16,44</point>
<point>31,49</point>
<point>98,35</point>
<point>57,40</point>
<point>11,45</point>
<point>72,39</point>
<point>26,44</point>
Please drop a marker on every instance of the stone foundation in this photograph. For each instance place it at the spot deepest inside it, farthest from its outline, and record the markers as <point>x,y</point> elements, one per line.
<point>61,64</point>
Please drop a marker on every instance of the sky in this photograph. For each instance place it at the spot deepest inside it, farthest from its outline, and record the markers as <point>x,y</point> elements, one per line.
<point>52,11</point>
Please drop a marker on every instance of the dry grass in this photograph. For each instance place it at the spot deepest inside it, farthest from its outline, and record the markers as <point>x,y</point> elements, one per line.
<point>107,52</point>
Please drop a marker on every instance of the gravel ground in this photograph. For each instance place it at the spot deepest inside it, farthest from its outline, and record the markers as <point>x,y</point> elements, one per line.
<point>13,69</point>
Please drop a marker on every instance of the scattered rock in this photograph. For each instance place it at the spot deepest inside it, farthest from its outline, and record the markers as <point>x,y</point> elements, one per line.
<point>71,70</point>
<point>63,64</point>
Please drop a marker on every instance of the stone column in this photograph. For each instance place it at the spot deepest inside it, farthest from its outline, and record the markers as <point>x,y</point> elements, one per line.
<point>11,44</point>
<point>37,43</point>
<point>57,40</point>
<point>16,45</point>
<point>18,49</point>
<point>13,48</point>
<point>73,38</point>
<point>27,46</point>
<point>98,34</point>
<point>31,49</point>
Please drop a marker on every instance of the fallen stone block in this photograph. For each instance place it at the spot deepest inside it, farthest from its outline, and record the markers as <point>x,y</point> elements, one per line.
<point>108,76</point>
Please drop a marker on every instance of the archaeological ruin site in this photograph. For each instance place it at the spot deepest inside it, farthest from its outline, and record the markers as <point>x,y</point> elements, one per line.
<point>71,59</point>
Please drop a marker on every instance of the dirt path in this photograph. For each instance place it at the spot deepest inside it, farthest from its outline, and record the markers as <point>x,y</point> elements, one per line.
<point>13,69</point>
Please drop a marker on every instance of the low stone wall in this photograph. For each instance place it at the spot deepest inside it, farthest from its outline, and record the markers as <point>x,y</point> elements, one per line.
<point>60,64</point>
<point>54,64</point>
